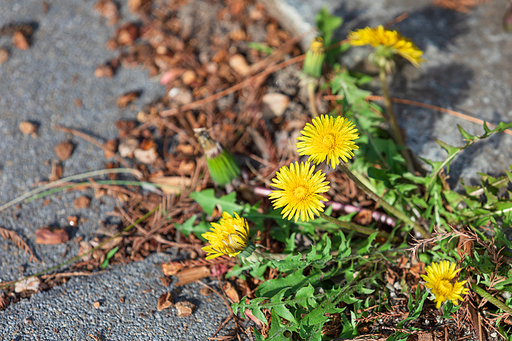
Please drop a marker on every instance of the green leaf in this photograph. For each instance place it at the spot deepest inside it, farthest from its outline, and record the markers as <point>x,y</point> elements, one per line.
<point>188,226</point>
<point>207,200</point>
<point>416,305</point>
<point>306,294</point>
<point>109,255</point>
<point>281,309</point>
<point>272,287</point>
<point>465,134</point>
<point>327,24</point>
<point>365,246</point>
<point>260,47</point>
<point>277,329</point>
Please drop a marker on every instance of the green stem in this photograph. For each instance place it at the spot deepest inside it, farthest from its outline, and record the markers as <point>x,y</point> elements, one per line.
<point>74,259</point>
<point>383,203</point>
<point>389,108</point>
<point>311,97</point>
<point>491,298</point>
<point>395,128</point>
<point>353,227</point>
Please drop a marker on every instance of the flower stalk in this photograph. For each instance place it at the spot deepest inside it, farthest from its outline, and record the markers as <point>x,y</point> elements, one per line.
<point>484,294</point>
<point>311,97</point>
<point>383,203</point>
<point>391,117</point>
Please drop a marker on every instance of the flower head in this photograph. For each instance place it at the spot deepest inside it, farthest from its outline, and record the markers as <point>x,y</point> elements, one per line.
<point>328,138</point>
<point>380,36</point>
<point>227,237</point>
<point>439,281</point>
<point>299,191</point>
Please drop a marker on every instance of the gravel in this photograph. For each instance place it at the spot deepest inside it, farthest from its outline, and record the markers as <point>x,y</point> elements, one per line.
<point>41,85</point>
<point>127,298</point>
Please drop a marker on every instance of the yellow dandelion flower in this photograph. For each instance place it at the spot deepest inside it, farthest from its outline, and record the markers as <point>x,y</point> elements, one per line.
<point>380,36</point>
<point>439,280</point>
<point>300,191</point>
<point>227,237</point>
<point>328,138</point>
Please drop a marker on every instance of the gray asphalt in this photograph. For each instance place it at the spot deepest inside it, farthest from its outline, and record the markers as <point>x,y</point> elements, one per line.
<point>67,312</point>
<point>37,85</point>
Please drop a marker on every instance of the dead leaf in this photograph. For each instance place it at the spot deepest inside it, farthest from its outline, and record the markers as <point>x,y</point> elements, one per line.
<point>181,96</point>
<point>274,104</point>
<point>425,337</point>
<point>31,283</point>
<point>4,302</point>
<point>185,308</point>
<point>220,56</point>
<point>188,77</point>
<point>364,217</point>
<point>27,127</point>
<point>20,41</point>
<point>145,156</point>
<point>110,148</point>
<point>237,35</point>
<point>165,281</point>
<point>238,63</point>
<point>81,202</point>
<point>186,167</point>
<point>63,150</point>
<point>112,244</point>
<point>49,236</point>
<point>4,55</point>
<point>231,292</point>
<point>171,268</point>
<point>134,5</point>
<point>56,171</point>
<point>127,98</point>
<point>205,291</point>
<point>185,149</point>
<point>191,275</point>
<point>127,34</point>
<point>104,71</point>
<point>107,9</point>
<point>127,147</point>
<point>84,248</point>
<point>165,301</point>
<point>173,184</point>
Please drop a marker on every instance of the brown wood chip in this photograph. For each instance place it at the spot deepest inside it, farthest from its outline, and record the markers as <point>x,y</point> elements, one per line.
<point>49,236</point>
<point>165,301</point>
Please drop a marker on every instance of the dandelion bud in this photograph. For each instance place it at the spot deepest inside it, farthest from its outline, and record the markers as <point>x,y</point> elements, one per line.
<point>222,165</point>
<point>314,58</point>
